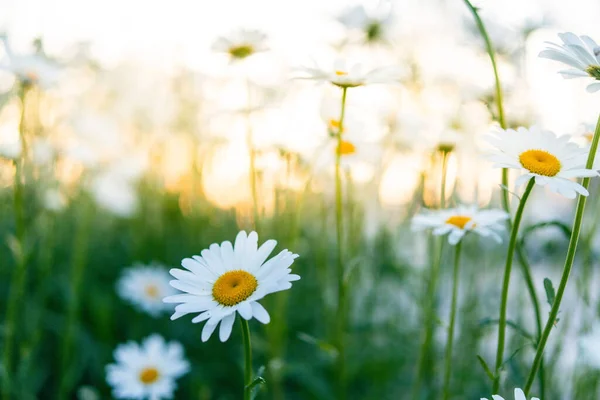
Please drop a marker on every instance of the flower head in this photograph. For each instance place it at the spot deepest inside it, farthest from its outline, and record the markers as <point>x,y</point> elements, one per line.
<point>581,53</point>
<point>148,371</point>
<point>344,75</point>
<point>519,395</point>
<point>145,287</point>
<point>30,69</point>
<point>457,222</point>
<point>373,24</point>
<point>241,44</point>
<point>230,278</point>
<point>552,161</point>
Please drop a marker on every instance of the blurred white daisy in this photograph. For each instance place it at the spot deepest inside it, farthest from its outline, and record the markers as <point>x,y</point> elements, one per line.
<point>148,371</point>
<point>345,75</point>
<point>42,151</point>
<point>374,23</point>
<point>115,194</point>
<point>11,149</point>
<point>519,395</point>
<point>54,200</point>
<point>241,44</point>
<point>553,161</point>
<point>589,348</point>
<point>459,221</point>
<point>31,69</point>
<point>581,53</point>
<point>144,286</point>
<point>227,279</point>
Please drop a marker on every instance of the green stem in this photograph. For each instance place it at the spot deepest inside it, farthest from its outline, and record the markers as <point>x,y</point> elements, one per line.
<point>429,304</point>
<point>568,265</point>
<point>505,200</point>
<point>341,287</point>
<point>506,283</point>
<point>80,248</point>
<point>19,276</point>
<point>252,158</point>
<point>247,359</point>
<point>453,308</point>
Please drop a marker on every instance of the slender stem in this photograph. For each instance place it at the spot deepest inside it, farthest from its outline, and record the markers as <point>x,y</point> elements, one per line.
<point>492,54</point>
<point>247,359</point>
<point>252,157</point>
<point>453,307</point>
<point>504,193</point>
<point>19,276</point>
<point>429,304</point>
<point>506,283</point>
<point>341,286</point>
<point>78,262</point>
<point>568,264</point>
<point>444,178</point>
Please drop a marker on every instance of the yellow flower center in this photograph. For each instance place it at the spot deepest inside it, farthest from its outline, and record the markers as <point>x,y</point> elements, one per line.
<point>589,136</point>
<point>152,291</point>
<point>149,375</point>
<point>593,71</point>
<point>334,125</point>
<point>540,162</point>
<point>460,221</point>
<point>341,73</point>
<point>233,287</point>
<point>241,51</point>
<point>347,148</point>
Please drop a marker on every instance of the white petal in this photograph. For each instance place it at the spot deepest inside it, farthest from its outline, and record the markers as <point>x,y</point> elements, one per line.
<point>207,331</point>
<point>260,313</point>
<point>245,310</point>
<point>226,326</point>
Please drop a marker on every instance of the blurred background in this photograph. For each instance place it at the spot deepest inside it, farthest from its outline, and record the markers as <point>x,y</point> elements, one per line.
<point>139,143</point>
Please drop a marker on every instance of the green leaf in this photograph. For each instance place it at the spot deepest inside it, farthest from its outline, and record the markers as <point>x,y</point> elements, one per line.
<point>485,367</point>
<point>259,380</point>
<point>550,293</point>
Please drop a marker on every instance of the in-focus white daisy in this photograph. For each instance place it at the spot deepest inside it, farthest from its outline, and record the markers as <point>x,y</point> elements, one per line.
<point>148,371</point>
<point>519,395</point>
<point>551,160</point>
<point>31,69</point>
<point>459,221</point>
<point>227,279</point>
<point>144,286</point>
<point>347,75</point>
<point>373,23</point>
<point>241,44</point>
<point>581,53</point>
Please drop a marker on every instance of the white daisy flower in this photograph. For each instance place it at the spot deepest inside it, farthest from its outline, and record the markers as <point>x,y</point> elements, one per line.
<point>227,279</point>
<point>457,222</point>
<point>519,395</point>
<point>148,371</point>
<point>241,44</point>
<point>145,287</point>
<point>553,161</point>
<point>31,69</point>
<point>581,53</point>
<point>374,24</point>
<point>345,75</point>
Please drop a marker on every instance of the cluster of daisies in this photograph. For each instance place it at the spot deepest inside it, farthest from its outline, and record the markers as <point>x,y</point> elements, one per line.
<point>230,279</point>
<point>223,281</point>
<point>550,160</point>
